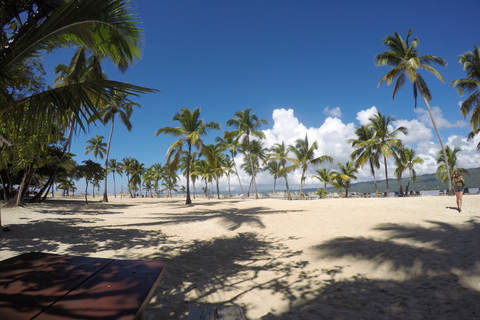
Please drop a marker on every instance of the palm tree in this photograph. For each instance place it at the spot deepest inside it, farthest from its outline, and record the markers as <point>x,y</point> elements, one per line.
<point>384,140</point>
<point>305,155</point>
<point>324,175</point>
<point>157,173</point>
<point>450,164</point>
<point>247,124</point>
<point>229,142</point>
<point>216,161</point>
<point>107,28</point>
<point>114,167</point>
<point>273,167</point>
<point>365,151</point>
<point>192,128</point>
<point>203,169</point>
<point>405,61</point>
<point>346,174</point>
<point>97,147</point>
<point>127,168</point>
<point>280,153</point>
<point>136,171</point>
<point>471,63</point>
<point>123,107</point>
<point>407,160</point>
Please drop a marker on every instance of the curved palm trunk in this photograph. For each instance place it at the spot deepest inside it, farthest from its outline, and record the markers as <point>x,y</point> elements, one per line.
<point>236,172</point>
<point>386,175</point>
<point>449,177</point>
<point>105,193</point>
<point>189,200</point>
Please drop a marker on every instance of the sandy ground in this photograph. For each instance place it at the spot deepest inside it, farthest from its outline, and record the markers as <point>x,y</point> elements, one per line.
<point>396,258</point>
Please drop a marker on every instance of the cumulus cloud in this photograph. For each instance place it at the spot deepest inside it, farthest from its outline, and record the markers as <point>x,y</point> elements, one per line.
<point>364,115</point>
<point>334,112</point>
<point>332,137</point>
<point>441,122</point>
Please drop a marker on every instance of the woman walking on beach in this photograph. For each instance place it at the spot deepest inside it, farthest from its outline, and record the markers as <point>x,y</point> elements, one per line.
<point>458,183</point>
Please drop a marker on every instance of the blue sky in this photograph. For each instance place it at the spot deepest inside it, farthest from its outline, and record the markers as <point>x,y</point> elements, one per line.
<point>305,66</point>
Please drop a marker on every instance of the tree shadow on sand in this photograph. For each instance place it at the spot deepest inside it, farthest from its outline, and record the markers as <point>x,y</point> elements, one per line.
<point>439,266</point>
<point>222,270</point>
<point>231,218</point>
<point>74,236</point>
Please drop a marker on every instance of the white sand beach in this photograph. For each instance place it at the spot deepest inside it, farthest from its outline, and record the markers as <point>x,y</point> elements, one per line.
<point>376,258</point>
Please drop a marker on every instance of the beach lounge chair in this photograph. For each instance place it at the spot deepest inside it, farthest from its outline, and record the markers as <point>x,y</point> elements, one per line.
<point>441,192</point>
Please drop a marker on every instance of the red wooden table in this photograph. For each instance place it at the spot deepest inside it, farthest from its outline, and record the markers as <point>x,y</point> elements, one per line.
<point>48,286</point>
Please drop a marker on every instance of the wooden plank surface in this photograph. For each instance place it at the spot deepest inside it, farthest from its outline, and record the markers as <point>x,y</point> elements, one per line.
<point>54,287</point>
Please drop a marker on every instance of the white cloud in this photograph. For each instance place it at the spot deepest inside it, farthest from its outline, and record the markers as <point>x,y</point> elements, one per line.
<point>441,122</point>
<point>334,112</point>
<point>332,136</point>
<point>364,115</point>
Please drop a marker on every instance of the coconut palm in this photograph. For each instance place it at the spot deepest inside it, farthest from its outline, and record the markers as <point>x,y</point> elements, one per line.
<point>406,161</point>
<point>229,142</point>
<point>384,141</point>
<point>107,28</point>
<point>273,167</point>
<point>121,106</point>
<point>406,62</point>
<point>471,64</point>
<point>247,124</point>
<point>192,128</point>
<point>216,161</point>
<point>280,153</point>
<point>136,172</point>
<point>365,151</point>
<point>128,163</point>
<point>114,167</point>
<point>96,146</point>
<point>304,155</point>
<point>346,174</point>
<point>450,164</point>
<point>324,175</point>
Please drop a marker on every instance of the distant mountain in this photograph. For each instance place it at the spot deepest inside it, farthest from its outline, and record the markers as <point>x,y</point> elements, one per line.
<point>423,182</point>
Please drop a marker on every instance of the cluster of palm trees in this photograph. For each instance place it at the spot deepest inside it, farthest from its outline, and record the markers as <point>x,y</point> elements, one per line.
<point>38,121</point>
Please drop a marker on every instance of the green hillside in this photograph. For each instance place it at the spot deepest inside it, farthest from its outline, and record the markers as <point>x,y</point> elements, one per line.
<point>423,182</point>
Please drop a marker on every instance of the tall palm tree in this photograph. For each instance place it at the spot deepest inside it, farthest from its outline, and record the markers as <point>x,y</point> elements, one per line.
<point>406,62</point>
<point>346,174</point>
<point>107,28</point>
<point>121,106</point>
<point>305,155</point>
<point>406,161</point>
<point>384,140</point>
<point>229,142</point>
<point>96,146</point>
<point>204,170</point>
<point>114,167</point>
<point>471,64</point>
<point>450,164</point>
<point>191,128</point>
<point>365,151</point>
<point>247,124</point>
<point>216,159</point>
<point>279,152</point>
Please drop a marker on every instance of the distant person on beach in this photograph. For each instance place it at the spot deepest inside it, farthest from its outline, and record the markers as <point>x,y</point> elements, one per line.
<point>458,184</point>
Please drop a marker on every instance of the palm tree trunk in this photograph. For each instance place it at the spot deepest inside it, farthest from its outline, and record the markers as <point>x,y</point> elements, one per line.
<point>449,177</point>
<point>373,174</point>
<point>105,193</point>
<point>253,175</point>
<point>301,185</point>
<point>236,172</point>
<point>386,175</point>
<point>189,200</point>
<point>289,196</point>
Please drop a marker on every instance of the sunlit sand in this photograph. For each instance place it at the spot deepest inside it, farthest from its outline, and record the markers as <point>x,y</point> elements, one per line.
<point>396,258</point>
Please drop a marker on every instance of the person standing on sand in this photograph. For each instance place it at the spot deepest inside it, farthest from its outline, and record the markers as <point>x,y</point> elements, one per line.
<point>458,183</point>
